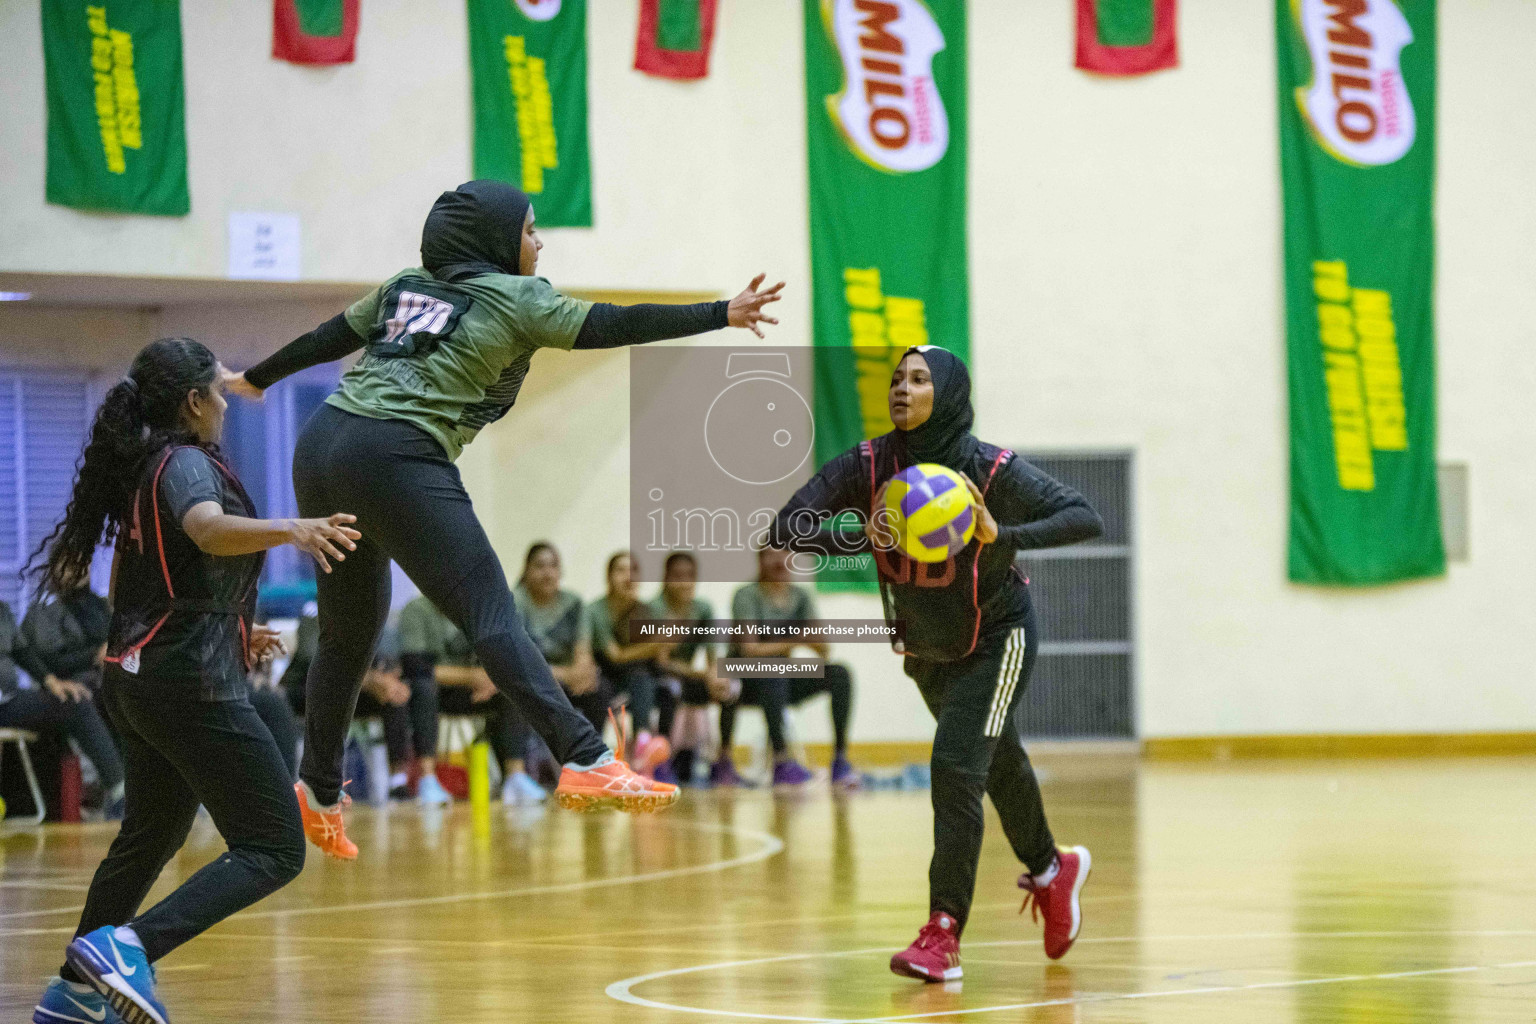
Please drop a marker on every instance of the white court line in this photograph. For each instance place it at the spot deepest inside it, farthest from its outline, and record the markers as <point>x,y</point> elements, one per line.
<point>18,915</point>
<point>623,990</point>
<point>1339,980</point>
<point>771,846</point>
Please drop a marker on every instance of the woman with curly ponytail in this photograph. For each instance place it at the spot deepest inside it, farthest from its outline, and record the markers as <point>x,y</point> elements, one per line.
<point>188,552</point>
<point>141,415</point>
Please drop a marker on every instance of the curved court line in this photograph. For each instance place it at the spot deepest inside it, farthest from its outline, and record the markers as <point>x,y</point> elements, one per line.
<point>771,846</point>
<point>623,990</point>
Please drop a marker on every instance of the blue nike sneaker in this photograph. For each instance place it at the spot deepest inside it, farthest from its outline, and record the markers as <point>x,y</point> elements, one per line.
<point>121,972</point>
<point>64,1002</point>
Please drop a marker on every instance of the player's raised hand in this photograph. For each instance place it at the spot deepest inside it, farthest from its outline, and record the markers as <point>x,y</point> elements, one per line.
<point>746,309</point>
<point>880,527</point>
<point>986,526</point>
<point>236,384</point>
<point>324,539</point>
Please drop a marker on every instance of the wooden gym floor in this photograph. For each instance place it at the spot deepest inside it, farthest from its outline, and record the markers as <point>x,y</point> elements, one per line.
<point>1316,891</point>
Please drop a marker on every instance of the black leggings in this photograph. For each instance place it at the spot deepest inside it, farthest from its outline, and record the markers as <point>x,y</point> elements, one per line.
<point>411,506</point>
<point>272,708</point>
<point>41,711</point>
<point>977,748</point>
<point>179,753</point>
<point>774,695</point>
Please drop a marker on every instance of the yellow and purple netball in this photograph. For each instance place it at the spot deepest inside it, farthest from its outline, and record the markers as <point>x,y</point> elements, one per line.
<point>930,509</point>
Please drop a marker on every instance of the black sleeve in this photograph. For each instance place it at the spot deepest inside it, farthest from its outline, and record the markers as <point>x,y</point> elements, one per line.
<point>8,644</point>
<point>330,341</point>
<point>190,478</point>
<point>610,326</point>
<point>1034,511</point>
<point>806,522</point>
<point>25,653</point>
<point>52,640</point>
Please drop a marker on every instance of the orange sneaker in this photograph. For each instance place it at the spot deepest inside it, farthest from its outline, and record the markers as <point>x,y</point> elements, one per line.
<point>323,825</point>
<point>614,784</point>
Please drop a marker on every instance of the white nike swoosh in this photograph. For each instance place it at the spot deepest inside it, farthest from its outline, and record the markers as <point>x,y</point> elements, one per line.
<point>100,1014</point>
<point>122,968</point>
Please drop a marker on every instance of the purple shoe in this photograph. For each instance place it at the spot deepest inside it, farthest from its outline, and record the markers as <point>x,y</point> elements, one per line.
<point>723,773</point>
<point>790,772</point>
<point>844,775</point>
<point>664,773</point>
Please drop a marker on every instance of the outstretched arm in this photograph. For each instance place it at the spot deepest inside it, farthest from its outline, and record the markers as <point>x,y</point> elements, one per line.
<point>218,533</point>
<point>610,326</point>
<point>1033,510</point>
<point>805,523</point>
<point>330,341</point>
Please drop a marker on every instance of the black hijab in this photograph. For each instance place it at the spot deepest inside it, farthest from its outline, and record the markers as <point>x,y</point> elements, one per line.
<point>475,229</point>
<point>945,436</point>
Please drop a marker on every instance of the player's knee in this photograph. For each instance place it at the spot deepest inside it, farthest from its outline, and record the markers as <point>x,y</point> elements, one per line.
<point>958,770</point>
<point>286,860</point>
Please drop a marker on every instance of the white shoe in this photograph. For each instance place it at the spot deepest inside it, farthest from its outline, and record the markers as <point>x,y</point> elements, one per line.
<point>430,792</point>
<point>520,790</point>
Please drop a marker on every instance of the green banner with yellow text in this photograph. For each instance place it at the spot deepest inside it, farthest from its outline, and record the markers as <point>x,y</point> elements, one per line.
<point>885,84</point>
<point>116,111</point>
<point>1357,156</point>
<point>528,59</point>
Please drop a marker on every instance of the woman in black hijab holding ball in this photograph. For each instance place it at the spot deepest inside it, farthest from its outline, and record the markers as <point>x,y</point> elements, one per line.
<point>969,639</point>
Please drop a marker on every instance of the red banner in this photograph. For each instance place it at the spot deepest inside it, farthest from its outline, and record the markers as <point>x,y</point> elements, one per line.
<point>675,38</point>
<point>314,31</point>
<point>1097,54</point>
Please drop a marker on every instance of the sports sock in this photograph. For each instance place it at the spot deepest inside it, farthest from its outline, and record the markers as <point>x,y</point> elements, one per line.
<point>314,801</point>
<point>1047,876</point>
<point>127,936</point>
<point>607,758</point>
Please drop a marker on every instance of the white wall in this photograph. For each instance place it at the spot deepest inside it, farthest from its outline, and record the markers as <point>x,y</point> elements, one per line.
<point>1126,293</point>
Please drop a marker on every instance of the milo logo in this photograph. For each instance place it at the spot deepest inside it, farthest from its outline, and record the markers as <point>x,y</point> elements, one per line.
<point>889,110</point>
<point>1357,103</point>
<point>538,10</point>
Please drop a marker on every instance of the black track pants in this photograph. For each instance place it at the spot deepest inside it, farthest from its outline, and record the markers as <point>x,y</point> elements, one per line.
<point>774,695</point>
<point>177,754</point>
<point>411,506</point>
<point>976,749</point>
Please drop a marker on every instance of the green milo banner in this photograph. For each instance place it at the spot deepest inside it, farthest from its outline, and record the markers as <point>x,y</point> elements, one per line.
<point>116,113</point>
<point>1357,155</point>
<point>885,85</point>
<point>528,59</point>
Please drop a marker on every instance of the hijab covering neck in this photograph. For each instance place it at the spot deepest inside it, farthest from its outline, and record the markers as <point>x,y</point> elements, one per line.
<point>945,436</point>
<point>475,229</point>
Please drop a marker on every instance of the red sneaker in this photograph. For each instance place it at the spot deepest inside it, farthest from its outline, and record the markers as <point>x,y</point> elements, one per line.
<point>323,825</point>
<point>935,956</point>
<point>1058,902</point>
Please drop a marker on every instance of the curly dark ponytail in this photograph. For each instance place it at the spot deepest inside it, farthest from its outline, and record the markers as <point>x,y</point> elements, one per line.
<point>139,417</point>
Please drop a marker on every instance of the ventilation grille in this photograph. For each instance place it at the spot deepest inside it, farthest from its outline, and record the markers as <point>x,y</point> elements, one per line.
<point>1084,678</point>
